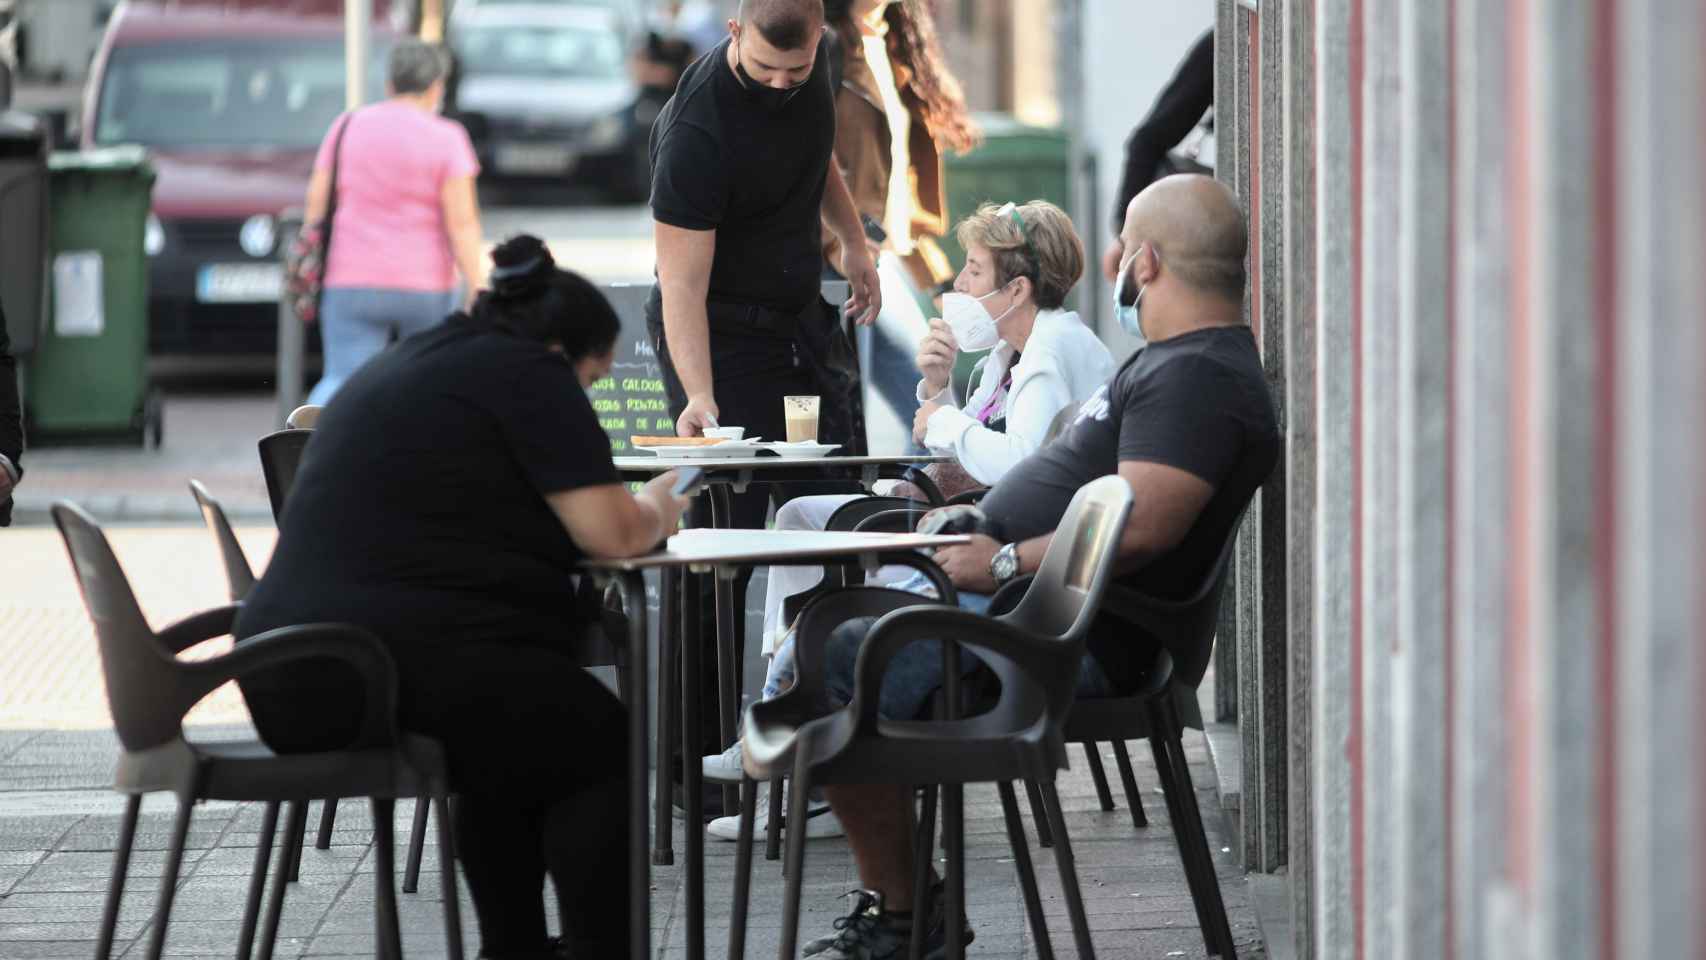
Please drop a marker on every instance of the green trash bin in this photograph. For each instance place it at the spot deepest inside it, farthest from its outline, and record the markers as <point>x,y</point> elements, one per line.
<point>89,375</point>
<point>1015,162</point>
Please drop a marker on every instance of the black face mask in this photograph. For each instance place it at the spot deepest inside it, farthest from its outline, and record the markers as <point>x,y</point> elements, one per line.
<point>769,98</point>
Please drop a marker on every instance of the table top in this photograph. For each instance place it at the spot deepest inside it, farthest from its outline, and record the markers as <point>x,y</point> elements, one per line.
<point>654,464</point>
<point>757,547</point>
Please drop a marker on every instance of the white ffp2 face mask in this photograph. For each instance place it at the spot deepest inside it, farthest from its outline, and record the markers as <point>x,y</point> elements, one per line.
<point>973,328</point>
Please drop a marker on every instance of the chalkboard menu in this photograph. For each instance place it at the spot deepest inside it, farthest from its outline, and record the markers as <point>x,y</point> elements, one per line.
<point>631,402</point>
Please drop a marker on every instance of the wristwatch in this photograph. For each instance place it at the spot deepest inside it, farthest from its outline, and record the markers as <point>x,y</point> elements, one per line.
<point>1005,564</point>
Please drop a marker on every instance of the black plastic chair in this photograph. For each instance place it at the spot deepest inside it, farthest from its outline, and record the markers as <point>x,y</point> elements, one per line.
<point>1185,630</point>
<point>239,576</point>
<point>149,690</point>
<point>281,456</point>
<point>1033,652</point>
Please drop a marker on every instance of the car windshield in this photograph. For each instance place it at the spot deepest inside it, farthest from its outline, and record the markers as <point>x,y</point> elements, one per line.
<point>528,51</point>
<point>278,94</point>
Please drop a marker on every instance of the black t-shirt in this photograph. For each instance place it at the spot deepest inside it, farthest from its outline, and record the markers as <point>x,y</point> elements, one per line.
<point>721,162</point>
<point>418,511</point>
<point>1198,402</point>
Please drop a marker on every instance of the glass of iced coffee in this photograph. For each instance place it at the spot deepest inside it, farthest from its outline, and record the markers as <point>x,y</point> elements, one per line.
<point>800,416</point>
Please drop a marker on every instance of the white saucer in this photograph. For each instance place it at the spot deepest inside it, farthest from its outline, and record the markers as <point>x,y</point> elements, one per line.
<point>726,450</point>
<point>804,449</point>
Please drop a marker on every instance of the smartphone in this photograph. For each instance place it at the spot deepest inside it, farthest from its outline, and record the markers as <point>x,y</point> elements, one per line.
<point>873,230</point>
<point>687,479</point>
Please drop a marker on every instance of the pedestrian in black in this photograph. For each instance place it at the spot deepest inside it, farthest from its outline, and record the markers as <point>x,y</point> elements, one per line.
<point>11,425</point>
<point>444,503</point>
<point>742,188</point>
<point>1179,107</point>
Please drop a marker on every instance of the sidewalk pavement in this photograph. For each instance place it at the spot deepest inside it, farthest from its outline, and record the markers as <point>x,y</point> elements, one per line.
<point>58,826</point>
<point>58,820</point>
<point>209,437</point>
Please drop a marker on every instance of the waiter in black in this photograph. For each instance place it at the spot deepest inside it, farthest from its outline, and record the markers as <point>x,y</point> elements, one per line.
<point>742,187</point>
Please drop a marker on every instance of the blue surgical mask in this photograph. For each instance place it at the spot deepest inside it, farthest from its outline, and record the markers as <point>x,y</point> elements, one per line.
<point>1130,315</point>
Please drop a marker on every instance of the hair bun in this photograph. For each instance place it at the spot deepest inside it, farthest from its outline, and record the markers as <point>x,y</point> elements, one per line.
<point>521,266</point>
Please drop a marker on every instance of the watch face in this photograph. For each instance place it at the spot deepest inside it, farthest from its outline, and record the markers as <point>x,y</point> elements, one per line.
<point>1004,564</point>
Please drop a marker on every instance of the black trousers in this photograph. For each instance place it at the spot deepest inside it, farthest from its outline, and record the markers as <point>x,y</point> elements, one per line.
<point>538,758</point>
<point>751,373</point>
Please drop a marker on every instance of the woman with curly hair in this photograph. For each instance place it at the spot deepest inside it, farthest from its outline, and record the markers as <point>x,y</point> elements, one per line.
<point>897,108</point>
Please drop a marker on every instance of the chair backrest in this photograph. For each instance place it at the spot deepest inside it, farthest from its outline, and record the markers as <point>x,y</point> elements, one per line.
<point>1068,587</point>
<point>281,455</point>
<point>1186,627</point>
<point>303,417</point>
<point>144,682</point>
<point>239,576</point>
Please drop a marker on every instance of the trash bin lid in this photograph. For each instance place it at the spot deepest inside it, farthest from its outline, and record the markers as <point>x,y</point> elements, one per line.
<point>22,134</point>
<point>123,158</point>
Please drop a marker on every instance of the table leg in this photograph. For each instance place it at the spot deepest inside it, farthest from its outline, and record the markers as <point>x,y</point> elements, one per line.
<point>670,606</point>
<point>691,773</point>
<point>633,586</point>
<point>728,664</point>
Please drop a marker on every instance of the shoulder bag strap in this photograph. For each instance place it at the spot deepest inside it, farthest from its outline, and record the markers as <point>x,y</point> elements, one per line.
<point>332,200</point>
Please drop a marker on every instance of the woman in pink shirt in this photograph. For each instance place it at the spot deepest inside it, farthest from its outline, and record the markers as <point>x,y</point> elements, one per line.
<point>407,219</point>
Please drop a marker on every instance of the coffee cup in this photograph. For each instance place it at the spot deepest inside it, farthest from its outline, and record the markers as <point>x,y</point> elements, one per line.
<point>799,416</point>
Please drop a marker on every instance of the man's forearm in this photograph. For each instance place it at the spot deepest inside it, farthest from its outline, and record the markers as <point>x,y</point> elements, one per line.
<point>687,329</point>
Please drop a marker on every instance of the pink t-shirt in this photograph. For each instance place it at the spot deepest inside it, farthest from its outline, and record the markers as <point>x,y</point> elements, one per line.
<point>389,229</point>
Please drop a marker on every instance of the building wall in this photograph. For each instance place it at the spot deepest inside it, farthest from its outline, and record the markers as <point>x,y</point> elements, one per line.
<point>1496,745</point>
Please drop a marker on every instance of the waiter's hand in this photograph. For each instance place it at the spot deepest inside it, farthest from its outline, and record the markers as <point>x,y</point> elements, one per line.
<point>865,298</point>
<point>936,353</point>
<point>701,412</point>
<point>921,420</point>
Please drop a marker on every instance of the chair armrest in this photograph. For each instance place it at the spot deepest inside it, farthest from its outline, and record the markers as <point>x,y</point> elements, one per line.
<point>972,497</point>
<point>1009,594</point>
<point>199,627</point>
<point>819,618</point>
<point>920,479</point>
<point>1046,662</point>
<point>902,520</point>
<point>850,514</point>
<point>343,642</point>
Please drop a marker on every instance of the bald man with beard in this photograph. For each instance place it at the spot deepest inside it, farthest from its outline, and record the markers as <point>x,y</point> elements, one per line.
<point>1187,421</point>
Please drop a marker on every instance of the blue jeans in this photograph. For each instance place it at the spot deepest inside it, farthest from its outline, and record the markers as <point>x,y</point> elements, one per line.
<point>356,323</point>
<point>915,673</point>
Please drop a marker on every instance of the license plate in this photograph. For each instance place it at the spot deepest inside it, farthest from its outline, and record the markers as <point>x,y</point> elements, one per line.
<point>534,158</point>
<point>240,283</point>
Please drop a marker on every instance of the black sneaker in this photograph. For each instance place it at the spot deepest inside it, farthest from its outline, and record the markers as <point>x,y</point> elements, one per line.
<point>870,932</point>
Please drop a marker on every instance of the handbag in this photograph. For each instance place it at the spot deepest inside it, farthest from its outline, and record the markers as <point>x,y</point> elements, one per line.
<point>305,261</point>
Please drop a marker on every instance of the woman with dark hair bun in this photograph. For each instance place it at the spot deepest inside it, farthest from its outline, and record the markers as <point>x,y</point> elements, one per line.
<point>445,502</point>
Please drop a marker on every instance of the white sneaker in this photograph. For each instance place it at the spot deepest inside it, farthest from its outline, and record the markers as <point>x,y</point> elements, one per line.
<point>723,767</point>
<point>820,821</point>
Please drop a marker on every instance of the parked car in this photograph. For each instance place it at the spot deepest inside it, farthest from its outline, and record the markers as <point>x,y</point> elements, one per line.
<point>232,102</point>
<point>554,92</point>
